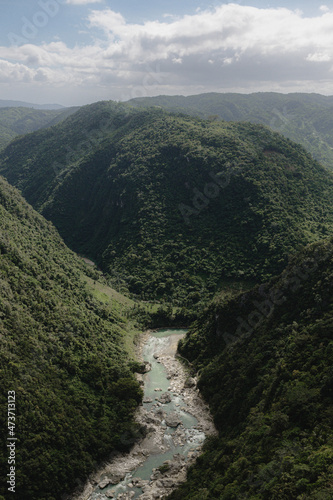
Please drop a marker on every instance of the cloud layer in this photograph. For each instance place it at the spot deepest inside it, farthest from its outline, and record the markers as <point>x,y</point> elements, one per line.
<point>82,2</point>
<point>232,47</point>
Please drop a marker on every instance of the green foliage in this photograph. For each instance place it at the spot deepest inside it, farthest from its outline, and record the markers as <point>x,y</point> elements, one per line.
<point>173,207</point>
<point>269,386</point>
<point>62,352</point>
<point>303,118</point>
<point>164,468</point>
<point>16,121</point>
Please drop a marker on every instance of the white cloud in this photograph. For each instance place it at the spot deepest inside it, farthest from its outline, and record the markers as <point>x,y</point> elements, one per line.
<point>82,2</point>
<point>230,27</point>
<point>318,57</point>
<point>324,8</point>
<point>230,47</point>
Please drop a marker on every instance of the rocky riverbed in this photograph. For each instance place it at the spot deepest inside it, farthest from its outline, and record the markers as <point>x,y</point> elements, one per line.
<point>176,421</point>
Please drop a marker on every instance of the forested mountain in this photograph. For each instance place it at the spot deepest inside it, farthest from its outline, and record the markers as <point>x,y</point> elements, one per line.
<point>176,207</point>
<point>265,362</point>
<point>23,104</point>
<point>303,118</point>
<point>16,121</point>
<point>63,353</point>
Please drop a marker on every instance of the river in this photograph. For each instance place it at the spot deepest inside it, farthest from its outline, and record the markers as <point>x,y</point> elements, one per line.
<point>177,421</point>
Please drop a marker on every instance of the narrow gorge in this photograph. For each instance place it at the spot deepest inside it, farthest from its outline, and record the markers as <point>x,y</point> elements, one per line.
<point>176,422</point>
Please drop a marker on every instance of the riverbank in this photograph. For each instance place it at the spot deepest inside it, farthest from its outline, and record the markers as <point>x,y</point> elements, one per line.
<point>166,432</point>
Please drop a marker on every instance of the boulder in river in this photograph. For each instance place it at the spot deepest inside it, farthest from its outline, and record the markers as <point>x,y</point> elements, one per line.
<point>144,367</point>
<point>147,400</point>
<point>116,478</point>
<point>160,413</point>
<point>164,398</point>
<point>172,420</point>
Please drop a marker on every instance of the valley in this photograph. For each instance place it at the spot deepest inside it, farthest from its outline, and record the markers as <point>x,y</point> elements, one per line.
<point>16,121</point>
<point>217,233</point>
<point>177,422</point>
<point>244,198</point>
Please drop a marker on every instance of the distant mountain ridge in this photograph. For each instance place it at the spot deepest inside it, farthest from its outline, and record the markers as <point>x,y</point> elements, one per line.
<point>174,206</point>
<point>23,104</point>
<point>24,120</point>
<point>303,118</point>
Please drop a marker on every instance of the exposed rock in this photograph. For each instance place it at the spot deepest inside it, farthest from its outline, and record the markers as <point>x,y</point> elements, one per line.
<point>172,420</point>
<point>168,483</point>
<point>151,419</point>
<point>160,413</point>
<point>147,400</point>
<point>144,367</point>
<point>116,478</point>
<point>190,382</point>
<point>147,366</point>
<point>156,420</point>
<point>164,398</point>
<point>156,356</point>
<point>103,484</point>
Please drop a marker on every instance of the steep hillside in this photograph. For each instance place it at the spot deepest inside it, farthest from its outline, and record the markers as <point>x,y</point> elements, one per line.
<point>62,354</point>
<point>173,206</point>
<point>16,121</point>
<point>265,362</point>
<point>303,118</point>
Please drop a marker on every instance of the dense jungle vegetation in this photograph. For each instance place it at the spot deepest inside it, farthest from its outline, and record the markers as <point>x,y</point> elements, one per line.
<point>16,121</point>
<point>63,352</point>
<point>185,216</point>
<point>174,208</point>
<point>265,361</point>
<point>303,118</point>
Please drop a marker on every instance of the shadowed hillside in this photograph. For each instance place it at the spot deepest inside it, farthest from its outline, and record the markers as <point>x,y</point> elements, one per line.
<point>174,206</point>
<point>265,368</point>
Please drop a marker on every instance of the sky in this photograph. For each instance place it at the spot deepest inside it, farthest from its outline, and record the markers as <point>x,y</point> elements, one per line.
<point>76,52</point>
